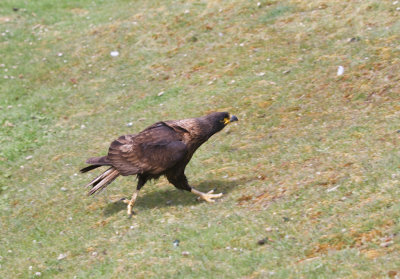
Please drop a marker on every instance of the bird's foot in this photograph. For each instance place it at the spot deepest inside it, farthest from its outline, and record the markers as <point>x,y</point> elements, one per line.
<point>208,197</point>
<point>125,200</point>
<point>129,210</point>
<point>130,203</point>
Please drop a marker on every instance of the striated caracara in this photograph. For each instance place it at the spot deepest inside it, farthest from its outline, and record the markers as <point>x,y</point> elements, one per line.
<point>164,148</point>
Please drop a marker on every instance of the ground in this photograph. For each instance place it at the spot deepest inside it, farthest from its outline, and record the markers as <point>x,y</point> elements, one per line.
<point>310,172</point>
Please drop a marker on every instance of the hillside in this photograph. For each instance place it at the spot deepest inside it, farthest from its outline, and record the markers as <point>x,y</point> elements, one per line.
<point>310,172</point>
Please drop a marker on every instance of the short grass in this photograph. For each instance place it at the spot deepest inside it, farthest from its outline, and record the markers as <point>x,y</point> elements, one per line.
<point>311,168</point>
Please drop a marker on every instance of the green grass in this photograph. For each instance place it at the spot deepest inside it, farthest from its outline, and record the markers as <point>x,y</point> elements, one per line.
<point>312,165</point>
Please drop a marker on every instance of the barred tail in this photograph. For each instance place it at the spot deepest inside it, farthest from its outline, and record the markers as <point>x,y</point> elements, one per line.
<point>99,183</point>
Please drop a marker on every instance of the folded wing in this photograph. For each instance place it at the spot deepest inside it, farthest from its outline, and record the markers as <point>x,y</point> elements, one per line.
<point>152,151</point>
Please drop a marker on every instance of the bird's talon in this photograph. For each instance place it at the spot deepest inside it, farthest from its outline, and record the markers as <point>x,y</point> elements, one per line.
<point>124,200</point>
<point>208,197</point>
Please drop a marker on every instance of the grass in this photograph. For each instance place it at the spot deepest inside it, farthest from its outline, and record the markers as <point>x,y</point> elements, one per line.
<point>312,167</point>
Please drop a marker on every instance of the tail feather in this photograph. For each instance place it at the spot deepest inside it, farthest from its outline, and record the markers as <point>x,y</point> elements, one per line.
<point>99,183</point>
<point>89,168</point>
<point>97,179</point>
<point>104,161</point>
<point>96,162</point>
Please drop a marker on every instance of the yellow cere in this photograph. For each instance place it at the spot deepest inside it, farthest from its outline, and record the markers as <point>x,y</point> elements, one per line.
<point>226,121</point>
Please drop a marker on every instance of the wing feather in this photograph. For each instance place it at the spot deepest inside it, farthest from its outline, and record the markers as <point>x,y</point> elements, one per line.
<point>154,150</point>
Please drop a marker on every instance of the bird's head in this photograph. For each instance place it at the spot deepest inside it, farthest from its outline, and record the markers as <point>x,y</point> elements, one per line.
<point>221,119</point>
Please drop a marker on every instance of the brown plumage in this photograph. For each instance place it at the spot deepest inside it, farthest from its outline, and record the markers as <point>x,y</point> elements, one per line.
<point>164,148</point>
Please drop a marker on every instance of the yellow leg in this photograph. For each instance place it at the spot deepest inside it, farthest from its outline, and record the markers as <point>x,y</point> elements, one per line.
<point>131,202</point>
<point>208,197</point>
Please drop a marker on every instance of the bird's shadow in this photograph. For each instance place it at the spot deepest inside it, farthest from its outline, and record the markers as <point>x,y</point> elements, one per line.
<point>173,196</point>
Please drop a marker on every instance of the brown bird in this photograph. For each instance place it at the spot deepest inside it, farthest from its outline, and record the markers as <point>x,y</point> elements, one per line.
<point>164,148</point>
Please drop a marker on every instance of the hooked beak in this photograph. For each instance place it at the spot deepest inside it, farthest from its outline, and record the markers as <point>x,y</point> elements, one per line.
<point>233,118</point>
<point>227,120</point>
